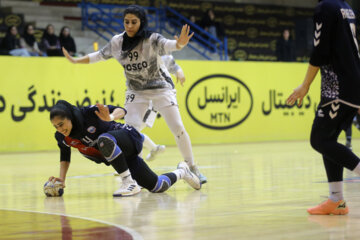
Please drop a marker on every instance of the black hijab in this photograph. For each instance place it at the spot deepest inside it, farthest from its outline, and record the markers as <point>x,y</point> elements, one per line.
<point>67,41</point>
<point>130,43</point>
<point>51,38</point>
<point>74,114</point>
<point>10,41</point>
<point>29,38</point>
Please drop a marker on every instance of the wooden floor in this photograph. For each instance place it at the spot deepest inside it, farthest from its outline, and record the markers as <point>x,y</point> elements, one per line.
<point>255,191</point>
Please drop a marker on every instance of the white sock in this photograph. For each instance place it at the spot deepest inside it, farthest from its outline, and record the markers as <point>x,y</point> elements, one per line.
<point>126,176</point>
<point>148,143</point>
<point>336,191</point>
<point>180,173</point>
<point>357,169</point>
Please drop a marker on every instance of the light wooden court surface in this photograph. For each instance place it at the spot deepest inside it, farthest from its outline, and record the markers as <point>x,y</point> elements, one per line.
<point>255,191</point>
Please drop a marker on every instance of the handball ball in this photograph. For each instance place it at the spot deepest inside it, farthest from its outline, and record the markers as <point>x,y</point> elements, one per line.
<point>52,189</point>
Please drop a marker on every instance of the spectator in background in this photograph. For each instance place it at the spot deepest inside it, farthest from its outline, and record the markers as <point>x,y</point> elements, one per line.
<point>29,42</point>
<point>67,41</point>
<point>51,42</point>
<point>208,22</point>
<point>285,50</point>
<point>11,43</point>
<point>192,19</point>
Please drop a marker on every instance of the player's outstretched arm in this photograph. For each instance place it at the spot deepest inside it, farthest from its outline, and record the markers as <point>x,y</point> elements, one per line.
<point>184,37</point>
<point>301,91</point>
<point>64,167</point>
<point>84,59</point>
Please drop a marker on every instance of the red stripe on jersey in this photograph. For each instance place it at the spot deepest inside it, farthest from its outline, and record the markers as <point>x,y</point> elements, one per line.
<point>90,151</point>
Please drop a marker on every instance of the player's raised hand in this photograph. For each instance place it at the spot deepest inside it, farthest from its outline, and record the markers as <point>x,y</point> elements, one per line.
<point>103,113</point>
<point>67,55</point>
<point>298,94</point>
<point>184,37</point>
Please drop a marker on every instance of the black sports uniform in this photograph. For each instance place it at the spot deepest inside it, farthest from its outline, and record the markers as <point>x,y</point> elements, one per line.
<point>111,143</point>
<point>336,52</point>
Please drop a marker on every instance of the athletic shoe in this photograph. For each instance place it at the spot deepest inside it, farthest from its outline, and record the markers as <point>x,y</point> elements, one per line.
<point>189,177</point>
<point>128,188</point>
<point>329,207</point>
<point>159,149</point>
<point>194,169</point>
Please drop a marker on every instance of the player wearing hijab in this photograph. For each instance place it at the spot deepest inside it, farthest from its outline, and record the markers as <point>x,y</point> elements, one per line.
<point>336,54</point>
<point>93,131</point>
<point>139,51</point>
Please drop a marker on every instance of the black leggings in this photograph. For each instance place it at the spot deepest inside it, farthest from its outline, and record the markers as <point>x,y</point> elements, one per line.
<point>131,147</point>
<point>328,123</point>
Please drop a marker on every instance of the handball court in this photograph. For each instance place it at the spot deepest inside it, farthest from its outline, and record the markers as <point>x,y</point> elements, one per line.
<point>254,191</point>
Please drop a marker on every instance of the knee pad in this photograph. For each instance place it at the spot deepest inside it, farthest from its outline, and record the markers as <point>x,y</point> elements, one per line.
<point>162,184</point>
<point>108,146</point>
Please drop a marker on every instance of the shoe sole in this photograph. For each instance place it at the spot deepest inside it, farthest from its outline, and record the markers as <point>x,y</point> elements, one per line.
<point>126,195</point>
<point>335,212</point>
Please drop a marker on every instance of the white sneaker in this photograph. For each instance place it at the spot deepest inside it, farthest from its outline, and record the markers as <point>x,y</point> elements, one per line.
<point>189,177</point>
<point>159,149</point>
<point>128,188</point>
<point>194,169</point>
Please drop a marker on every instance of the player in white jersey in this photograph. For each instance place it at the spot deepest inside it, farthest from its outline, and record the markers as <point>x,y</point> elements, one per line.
<point>151,113</point>
<point>139,51</point>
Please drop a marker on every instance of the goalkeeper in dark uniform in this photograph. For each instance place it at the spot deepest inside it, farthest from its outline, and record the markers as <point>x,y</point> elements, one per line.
<point>336,55</point>
<point>93,131</point>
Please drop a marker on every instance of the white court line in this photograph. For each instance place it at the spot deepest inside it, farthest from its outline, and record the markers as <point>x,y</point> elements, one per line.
<point>133,233</point>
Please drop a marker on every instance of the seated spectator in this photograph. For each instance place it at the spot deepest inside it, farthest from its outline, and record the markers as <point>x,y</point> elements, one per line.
<point>51,42</point>
<point>67,41</point>
<point>285,50</point>
<point>29,42</point>
<point>11,43</point>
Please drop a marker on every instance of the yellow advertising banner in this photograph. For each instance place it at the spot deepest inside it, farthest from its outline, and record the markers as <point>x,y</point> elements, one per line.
<point>221,102</point>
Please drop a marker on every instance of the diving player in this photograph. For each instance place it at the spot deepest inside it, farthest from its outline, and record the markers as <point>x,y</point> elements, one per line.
<point>93,131</point>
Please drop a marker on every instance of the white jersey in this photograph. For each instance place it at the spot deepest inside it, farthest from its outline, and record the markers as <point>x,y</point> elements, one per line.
<point>143,66</point>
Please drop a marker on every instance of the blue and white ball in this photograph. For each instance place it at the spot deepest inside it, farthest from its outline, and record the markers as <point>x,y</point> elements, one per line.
<point>52,189</point>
